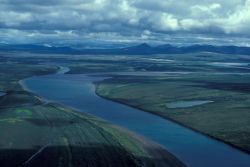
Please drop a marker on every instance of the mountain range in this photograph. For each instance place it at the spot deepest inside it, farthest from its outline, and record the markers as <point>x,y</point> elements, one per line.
<point>141,49</point>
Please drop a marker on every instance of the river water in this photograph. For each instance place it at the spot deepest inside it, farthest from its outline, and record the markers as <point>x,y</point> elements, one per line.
<point>192,148</point>
<point>2,93</point>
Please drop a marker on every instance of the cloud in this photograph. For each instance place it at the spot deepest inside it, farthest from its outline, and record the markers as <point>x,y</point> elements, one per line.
<point>125,19</point>
<point>239,21</point>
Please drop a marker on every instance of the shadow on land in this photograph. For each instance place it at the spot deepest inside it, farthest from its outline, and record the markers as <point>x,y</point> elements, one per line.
<point>92,155</point>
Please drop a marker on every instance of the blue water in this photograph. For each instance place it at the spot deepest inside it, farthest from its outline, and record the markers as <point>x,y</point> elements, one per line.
<point>2,93</point>
<point>192,148</point>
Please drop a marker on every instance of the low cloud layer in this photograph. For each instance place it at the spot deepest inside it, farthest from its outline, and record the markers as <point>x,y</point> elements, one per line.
<point>124,20</point>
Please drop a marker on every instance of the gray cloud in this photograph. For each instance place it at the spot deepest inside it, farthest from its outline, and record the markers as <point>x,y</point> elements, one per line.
<point>123,20</point>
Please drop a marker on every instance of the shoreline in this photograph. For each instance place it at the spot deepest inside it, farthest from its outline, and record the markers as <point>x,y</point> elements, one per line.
<point>144,142</point>
<point>153,148</point>
<point>46,101</point>
<point>174,121</point>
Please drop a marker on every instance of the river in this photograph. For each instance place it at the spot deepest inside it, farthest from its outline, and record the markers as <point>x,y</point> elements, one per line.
<point>192,148</point>
<point>2,94</point>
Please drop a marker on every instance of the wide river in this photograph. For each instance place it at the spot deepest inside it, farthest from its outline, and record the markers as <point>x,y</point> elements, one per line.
<point>194,149</point>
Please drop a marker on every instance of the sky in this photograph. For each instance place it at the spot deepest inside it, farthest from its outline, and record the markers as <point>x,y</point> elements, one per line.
<point>97,22</point>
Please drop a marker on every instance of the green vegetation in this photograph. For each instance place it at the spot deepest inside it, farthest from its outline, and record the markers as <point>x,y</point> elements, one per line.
<point>12,72</point>
<point>70,139</point>
<point>226,118</point>
<point>35,133</point>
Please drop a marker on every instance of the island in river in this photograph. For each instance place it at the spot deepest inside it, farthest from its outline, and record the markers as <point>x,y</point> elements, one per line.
<point>35,133</point>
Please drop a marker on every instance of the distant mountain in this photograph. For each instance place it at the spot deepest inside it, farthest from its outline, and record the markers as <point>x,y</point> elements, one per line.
<point>216,49</point>
<point>143,46</point>
<point>142,49</point>
<point>35,48</point>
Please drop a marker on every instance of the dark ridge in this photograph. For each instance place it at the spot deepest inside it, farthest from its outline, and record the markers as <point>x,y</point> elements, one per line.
<point>57,122</point>
<point>17,99</point>
<point>234,87</point>
<point>142,49</point>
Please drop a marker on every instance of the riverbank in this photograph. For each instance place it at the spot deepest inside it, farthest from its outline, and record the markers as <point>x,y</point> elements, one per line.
<point>35,132</point>
<point>174,121</point>
<point>220,120</point>
<point>88,140</point>
<point>116,140</point>
<point>192,148</point>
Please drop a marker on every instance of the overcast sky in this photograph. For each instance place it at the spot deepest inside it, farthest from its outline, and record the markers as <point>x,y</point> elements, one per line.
<point>117,21</point>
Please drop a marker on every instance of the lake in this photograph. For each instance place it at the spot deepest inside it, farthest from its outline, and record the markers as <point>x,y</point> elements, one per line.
<point>187,104</point>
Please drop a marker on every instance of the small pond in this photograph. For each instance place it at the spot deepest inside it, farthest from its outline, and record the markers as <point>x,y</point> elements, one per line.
<point>187,104</point>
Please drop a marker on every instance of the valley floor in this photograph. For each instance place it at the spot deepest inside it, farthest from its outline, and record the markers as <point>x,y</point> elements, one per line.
<point>37,133</point>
